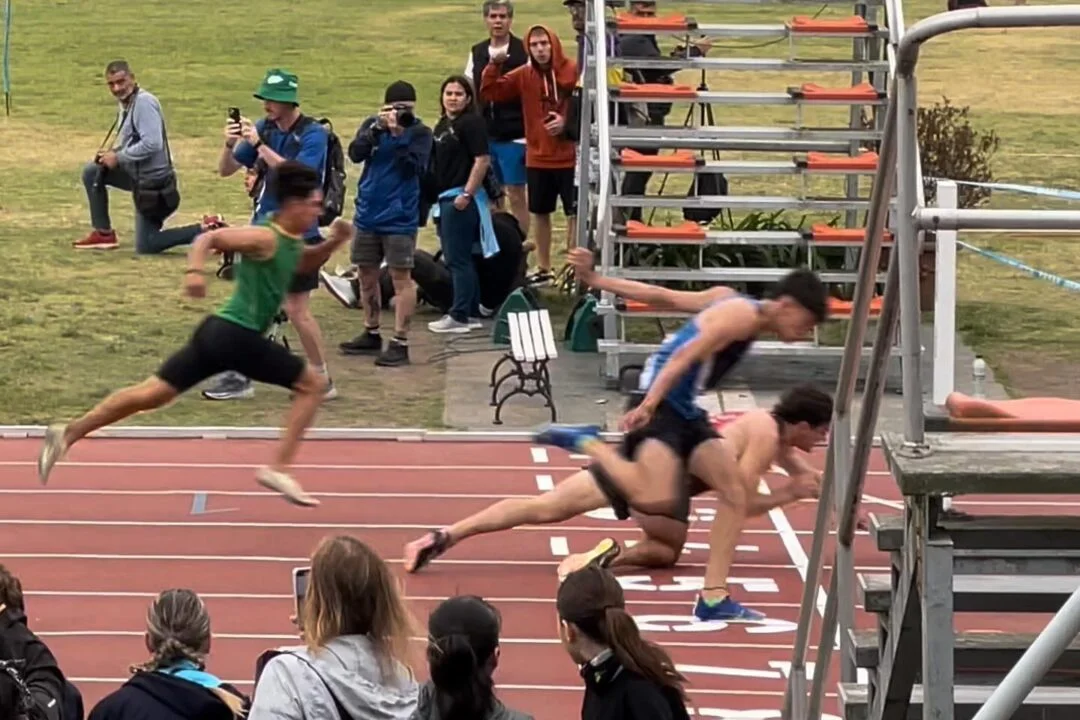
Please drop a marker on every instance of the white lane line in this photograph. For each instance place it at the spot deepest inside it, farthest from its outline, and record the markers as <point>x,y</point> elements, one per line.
<point>545,483</point>
<point>559,546</point>
<point>539,455</point>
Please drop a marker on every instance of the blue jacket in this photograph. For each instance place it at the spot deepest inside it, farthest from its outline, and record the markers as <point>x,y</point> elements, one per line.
<point>388,193</point>
<point>307,145</point>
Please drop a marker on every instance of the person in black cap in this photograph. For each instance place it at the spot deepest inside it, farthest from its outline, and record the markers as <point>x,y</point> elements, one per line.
<point>394,147</point>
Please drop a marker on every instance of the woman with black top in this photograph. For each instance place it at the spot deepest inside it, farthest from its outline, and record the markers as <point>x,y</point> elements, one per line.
<point>460,161</point>
<point>626,677</point>
<point>463,652</point>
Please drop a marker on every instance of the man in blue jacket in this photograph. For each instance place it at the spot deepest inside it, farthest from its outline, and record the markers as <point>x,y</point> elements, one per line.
<point>394,147</point>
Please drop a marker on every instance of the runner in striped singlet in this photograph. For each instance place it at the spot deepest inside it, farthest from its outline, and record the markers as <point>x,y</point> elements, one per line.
<point>234,337</point>
<point>668,436</point>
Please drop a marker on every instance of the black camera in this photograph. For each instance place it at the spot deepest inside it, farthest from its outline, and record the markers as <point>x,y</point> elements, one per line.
<point>404,114</point>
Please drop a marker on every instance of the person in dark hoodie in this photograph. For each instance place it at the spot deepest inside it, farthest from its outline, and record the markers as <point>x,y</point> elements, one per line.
<point>394,147</point>
<point>626,676</point>
<point>30,671</point>
<point>174,684</point>
<point>544,86</point>
<point>505,121</point>
<point>463,652</point>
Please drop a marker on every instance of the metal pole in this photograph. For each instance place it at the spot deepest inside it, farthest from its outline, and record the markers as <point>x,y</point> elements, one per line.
<point>824,652</point>
<point>945,299</point>
<point>843,570</point>
<point>937,218</point>
<point>907,248</point>
<point>1034,663</point>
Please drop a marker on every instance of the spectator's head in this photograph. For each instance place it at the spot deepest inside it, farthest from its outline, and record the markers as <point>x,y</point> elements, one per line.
<point>177,631</point>
<point>463,651</point>
<point>351,591</point>
<point>456,96</point>
<point>540,45</point>
<point>801,302</point>
<point>280,93</point>
<point>11,592</point>
<point>577,14</point>
<point>593,618</point>
<point>499,16</point>
<point>120,79</point>
<point>643,8</point>
<point>298,190</point>
<point>806,413</point>
<point>400,97</point>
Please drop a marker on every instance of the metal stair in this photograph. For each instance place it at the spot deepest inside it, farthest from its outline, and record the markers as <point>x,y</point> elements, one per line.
<point>810,168</point>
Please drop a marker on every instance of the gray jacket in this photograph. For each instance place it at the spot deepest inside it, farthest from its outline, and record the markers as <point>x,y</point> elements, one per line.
<point>289,689</point>
<point>140,139</point>
<point>426,710</point>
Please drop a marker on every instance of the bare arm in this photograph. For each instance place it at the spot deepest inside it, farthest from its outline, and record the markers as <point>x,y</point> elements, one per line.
<point>341,231</point>
<point>658,297</point>
<point>253,242</point>
<point>476,176</point>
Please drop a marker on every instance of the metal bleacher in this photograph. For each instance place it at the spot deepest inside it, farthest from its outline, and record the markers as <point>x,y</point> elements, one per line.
<point>827,146</point>
<point>942,562</point>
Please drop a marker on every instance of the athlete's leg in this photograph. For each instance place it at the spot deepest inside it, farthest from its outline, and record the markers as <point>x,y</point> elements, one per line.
<point>715,463</point>
<point>660,546</point>
<point>574,496</point>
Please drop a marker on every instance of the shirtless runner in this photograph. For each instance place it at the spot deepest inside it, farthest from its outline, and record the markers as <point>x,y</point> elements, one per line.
<point>760,439</point>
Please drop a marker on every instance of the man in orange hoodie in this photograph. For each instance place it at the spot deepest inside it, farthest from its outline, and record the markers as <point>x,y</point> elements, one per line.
<point>544,86</point>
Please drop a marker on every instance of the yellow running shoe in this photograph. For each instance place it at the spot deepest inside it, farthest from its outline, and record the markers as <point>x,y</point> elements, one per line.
<point>605,551</point>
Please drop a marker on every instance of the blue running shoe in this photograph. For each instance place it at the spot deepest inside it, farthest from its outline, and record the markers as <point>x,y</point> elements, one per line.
<point>567,437</point>
<point>726,609</point>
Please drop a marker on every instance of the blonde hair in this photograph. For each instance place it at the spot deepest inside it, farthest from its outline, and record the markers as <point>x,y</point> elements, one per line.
<point>177,628</point>
<point>351,591</point>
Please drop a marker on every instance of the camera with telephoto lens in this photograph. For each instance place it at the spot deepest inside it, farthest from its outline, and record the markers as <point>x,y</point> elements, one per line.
<point>403,114</point>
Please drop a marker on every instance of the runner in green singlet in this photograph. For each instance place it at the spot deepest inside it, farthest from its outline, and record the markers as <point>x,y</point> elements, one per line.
<point>234,337</point>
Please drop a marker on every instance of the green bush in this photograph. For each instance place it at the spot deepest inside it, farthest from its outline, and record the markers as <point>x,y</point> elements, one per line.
<point>950,147</point>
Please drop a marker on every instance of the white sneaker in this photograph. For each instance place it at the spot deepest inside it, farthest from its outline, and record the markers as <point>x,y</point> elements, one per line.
<point>52,450</point>
<point>341,288</point>
<point>447,324</point>
<point>284,484</point>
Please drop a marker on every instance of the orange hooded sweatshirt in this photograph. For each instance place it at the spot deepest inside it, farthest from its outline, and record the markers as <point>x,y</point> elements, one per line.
<point>541,91</point>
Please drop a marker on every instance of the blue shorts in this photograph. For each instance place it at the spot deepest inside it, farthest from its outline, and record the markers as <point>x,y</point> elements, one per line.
<point>509,161</point>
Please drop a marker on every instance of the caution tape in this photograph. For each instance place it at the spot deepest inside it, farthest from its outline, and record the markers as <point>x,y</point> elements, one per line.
<point>1013,263</point>
<point>1058,193</point>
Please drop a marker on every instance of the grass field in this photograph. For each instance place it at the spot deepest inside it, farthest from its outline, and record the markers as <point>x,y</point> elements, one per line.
<point>74,326</point>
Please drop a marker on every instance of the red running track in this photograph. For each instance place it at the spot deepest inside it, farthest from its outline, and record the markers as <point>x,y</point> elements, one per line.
<point>123,519</point>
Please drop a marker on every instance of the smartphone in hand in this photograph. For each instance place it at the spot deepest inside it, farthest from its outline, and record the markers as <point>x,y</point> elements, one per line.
<point>234,115</point>
<point>300,583</point>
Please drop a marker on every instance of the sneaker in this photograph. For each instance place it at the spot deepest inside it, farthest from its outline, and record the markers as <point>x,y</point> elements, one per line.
<point>486,312</point>
<point>447,324</point>
<point>230,386</point>
<point>540,277</point>
<point>420,552</point>
<point>213,222</point>
<point>395,355</point>
<point>366,343</point>
<point>567,437</point>
<point>331,389</point>
<point>52,451</point>
<point>98,240</point>
<point>726,609</point>
<point>284,484</point>
<point>345,290</point>
<point>605,551</point>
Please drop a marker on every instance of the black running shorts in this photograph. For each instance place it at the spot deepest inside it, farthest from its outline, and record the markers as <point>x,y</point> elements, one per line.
<point>218,345</point>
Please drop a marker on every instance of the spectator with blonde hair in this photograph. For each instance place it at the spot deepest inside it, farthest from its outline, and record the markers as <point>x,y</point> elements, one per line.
<point>174,684</point>
<point>355,657</point>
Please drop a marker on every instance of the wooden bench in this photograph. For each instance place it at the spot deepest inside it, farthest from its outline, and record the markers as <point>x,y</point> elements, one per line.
<point>532,345</point>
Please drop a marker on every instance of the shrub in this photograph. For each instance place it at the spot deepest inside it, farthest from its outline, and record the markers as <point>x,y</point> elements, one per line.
<point>952,148</point>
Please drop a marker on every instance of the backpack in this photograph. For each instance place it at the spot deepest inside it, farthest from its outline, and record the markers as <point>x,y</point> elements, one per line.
<point>334,174</point>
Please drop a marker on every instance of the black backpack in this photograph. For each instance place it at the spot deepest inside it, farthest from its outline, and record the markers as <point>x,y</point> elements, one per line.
<point>333,176</point>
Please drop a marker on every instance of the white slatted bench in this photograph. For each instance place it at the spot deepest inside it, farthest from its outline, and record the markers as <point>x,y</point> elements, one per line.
<point>532,345</point>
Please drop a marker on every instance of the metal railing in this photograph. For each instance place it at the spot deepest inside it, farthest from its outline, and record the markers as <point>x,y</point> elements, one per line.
<point>847,463</point>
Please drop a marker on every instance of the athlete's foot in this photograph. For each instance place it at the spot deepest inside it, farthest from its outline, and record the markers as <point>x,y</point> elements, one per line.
<point>420,552</point>
<point>725,609</point>
<point>284,484</point>
<point>52,451</point>
<point>601,556</point>
<point>567,437</point>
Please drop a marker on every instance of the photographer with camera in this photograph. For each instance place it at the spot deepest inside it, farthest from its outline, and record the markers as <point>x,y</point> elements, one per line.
<point>394,147</point>
<point>283,134</point>
<point>139,162</point>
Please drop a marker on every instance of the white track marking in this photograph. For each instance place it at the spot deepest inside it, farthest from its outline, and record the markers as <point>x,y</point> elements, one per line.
<point>559,546</point>
<point>545,483</point>
<point>539,455</point>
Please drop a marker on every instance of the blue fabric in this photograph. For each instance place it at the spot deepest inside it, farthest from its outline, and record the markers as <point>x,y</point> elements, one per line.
<point>508,158</point>
<point>388,192</point>
<point>457,235</point>
<point>309,147</point>
<point>489,244</point>
<point>187,670</point>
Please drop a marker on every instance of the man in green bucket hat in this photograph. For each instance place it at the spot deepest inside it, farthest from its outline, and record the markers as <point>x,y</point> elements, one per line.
<point>283,134</point>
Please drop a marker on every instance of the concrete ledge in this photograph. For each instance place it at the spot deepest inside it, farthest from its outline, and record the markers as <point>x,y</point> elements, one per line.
<point>1044,703</point>
<point>986,464</point>
<point>989,532</point>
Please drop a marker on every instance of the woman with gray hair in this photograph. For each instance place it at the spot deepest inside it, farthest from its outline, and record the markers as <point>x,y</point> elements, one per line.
<point>173,683</point>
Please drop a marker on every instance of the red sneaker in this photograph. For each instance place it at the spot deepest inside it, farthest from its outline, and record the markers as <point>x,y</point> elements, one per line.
<point>213,222</point>
<point>98,240</point>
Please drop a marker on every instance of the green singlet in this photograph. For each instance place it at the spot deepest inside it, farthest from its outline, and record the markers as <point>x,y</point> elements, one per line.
<point>261,284</point>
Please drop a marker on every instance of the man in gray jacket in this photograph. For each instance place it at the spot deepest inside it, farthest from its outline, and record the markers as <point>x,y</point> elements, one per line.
<point>139,157</point>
